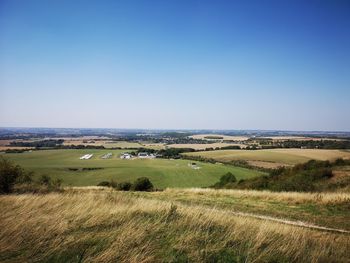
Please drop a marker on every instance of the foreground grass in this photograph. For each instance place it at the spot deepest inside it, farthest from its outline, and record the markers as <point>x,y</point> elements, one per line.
<point>324,209</point>
<point>162,172</point>
<point>104,226</point>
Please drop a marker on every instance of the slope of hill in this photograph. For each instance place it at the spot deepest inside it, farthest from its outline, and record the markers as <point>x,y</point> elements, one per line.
<point>107,226</point>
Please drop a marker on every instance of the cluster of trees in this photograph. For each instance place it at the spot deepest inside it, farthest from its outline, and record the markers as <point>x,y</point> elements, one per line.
<point>307,144</point>
<point>140,184</point>
<point>38,144</point>
<point>14,178</point>
<point>313,144</point>
<point>174,153</point>
<point>311,176</point>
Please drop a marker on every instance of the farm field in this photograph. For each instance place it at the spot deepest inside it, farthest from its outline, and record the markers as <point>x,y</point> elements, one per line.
<point>103,225</point>
<point>224,137</point>
<point>105,143</point>
<point>162,172</point>
<point>272,158</point>
<point>202,146</point>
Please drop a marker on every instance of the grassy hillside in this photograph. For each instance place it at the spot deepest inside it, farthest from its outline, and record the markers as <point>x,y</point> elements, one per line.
<point>163,173</point>
<point>323,209</point>
<point>312,176</point>
<point>105,226</point>
<point>272,158</point>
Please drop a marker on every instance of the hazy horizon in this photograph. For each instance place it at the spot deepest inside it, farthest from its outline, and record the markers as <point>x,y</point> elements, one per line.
<point>252,65</point>
<point>179,129</point>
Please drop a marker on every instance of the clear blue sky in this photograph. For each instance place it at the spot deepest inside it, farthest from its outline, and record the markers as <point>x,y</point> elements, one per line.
<point>175,64</point>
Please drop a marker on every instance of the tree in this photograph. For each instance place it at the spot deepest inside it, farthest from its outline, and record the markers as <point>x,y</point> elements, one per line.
<point>124,186</point>
<point>9,173</point>
<point>142,184</point>
<point>225,180</point>
<point>228,178</point>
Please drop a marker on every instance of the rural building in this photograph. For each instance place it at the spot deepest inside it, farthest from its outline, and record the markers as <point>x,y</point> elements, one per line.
<point>144,155</point>
<point>126,156</point>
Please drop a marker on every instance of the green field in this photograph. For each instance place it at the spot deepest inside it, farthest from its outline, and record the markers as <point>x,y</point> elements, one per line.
<point>162,172</point>
<point>272,157</point>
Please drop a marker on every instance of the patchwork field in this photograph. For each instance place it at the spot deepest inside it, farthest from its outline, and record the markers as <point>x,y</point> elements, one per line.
<point>272,157</point>
<point>65,164</point>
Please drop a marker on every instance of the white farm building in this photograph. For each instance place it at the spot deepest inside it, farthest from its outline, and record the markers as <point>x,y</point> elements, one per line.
<point>126,156</point>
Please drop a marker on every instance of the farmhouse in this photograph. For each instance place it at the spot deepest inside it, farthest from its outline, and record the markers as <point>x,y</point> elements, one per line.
<point>144,155</point>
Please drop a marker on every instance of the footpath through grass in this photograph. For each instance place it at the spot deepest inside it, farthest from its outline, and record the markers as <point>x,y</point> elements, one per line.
<point>109,226</point>
<point>324,209</point>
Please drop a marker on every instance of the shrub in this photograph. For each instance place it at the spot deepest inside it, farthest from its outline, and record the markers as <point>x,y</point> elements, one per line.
<point>142,184</point>
<point>228,178</point>
<point>45,180</point>
<point>9,174</point>
<point>113,184</point>
<point>124,186</point>
<point>56,183</point>
<point>104,183</point>
<point>226,181</point>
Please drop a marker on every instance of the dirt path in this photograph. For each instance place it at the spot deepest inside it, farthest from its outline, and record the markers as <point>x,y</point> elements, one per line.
<point>281,221</point>
<point>290,222</point>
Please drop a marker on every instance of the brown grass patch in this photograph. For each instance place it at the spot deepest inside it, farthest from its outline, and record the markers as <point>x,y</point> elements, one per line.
<point>99,226</point>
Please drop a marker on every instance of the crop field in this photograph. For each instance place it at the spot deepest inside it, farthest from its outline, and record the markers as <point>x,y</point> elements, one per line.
<point>203,146</point>
<point>103,225</point>
<point>222,137</point>
<point>272,157</point>
<point>66,164</point>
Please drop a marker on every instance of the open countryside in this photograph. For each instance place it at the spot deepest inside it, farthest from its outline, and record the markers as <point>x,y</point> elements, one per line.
<point>175,131</point>
<point>272,158</point>
<point>66,165</point>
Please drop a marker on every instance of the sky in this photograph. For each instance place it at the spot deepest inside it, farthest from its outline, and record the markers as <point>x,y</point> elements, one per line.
<point>175,64</point>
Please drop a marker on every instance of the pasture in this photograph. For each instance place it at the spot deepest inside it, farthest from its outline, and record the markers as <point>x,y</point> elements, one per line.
<point>272,158</point>
<point>66,164</point>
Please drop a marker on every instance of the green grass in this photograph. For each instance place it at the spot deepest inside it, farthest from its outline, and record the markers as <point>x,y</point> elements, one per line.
<point>280,156</point>
<point>163,173</point>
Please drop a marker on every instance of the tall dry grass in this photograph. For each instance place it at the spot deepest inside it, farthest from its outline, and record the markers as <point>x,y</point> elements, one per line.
<point>103,226</point>
<point>292,197</point>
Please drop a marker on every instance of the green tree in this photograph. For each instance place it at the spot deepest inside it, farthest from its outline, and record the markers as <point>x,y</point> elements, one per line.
<point>142,184</point>
<point>9,173</point>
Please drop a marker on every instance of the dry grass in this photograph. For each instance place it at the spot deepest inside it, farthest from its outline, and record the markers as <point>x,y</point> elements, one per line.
<point>277,156</point>
<point>104,226</point>
<point>291,197</point>
<point>301,138</point>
